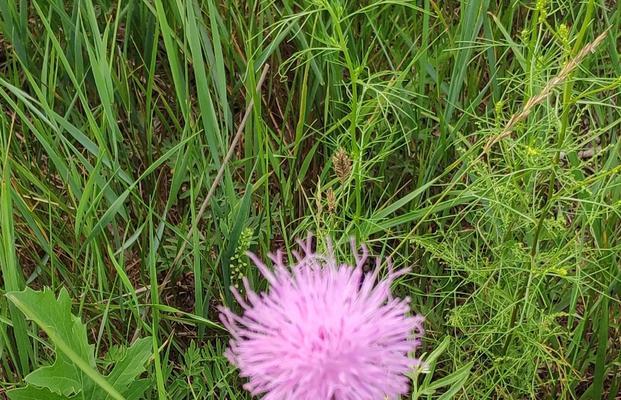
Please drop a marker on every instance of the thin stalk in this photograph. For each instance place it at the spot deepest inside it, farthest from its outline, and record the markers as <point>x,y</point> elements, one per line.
<point>356,146</point>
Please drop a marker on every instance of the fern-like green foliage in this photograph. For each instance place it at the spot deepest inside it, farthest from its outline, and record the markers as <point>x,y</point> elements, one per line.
<point>74,374</point>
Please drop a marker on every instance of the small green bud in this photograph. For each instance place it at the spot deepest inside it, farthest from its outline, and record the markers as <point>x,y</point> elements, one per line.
<point>498,107</point>
<point>541,7</point>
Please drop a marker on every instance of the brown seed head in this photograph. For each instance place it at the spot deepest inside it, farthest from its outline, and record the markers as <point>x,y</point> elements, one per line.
<point>342,164</point>
<point>331,199</point>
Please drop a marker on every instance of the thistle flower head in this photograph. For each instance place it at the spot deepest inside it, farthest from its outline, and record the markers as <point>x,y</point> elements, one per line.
<point>324,331</point>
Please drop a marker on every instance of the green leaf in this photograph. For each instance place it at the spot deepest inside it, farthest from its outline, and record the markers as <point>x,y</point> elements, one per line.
<point>241,217</point>
<point>454,381</point>
<point>68,335</point>
<point>137,388</point>
<point>34,393</point>
<point>126,371</point>
<point>9,268</point>
<point>470,24</point>
<point>74,371</point>
<point>62,377</point>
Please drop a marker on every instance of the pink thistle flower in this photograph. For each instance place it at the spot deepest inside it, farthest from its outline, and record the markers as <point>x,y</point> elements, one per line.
<point>324,331</point>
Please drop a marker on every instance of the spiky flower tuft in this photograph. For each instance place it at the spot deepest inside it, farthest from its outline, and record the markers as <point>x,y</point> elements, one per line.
<point>324,331</point>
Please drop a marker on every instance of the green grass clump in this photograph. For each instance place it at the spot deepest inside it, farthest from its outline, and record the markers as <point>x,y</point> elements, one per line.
<point>406,124</point>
